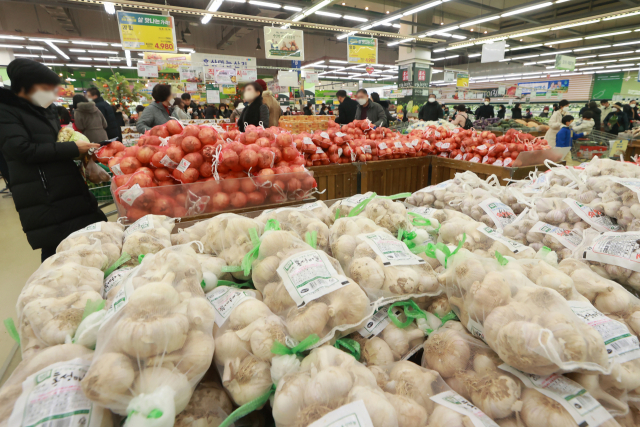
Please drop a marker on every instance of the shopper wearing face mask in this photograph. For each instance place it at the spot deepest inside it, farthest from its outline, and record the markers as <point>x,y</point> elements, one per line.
<point>367,109</point>
<point>634,111</point>
<point>113,128</point>
<point>177,111</point>
<point>617,120</point>
<point>158,112</point>
<point>501,111</point>
<point>605,109</point>
<point>555,122</point>
<point>485,111</point>
<point>431,111</point>
<point>255,112</point>
<point>48,190</point>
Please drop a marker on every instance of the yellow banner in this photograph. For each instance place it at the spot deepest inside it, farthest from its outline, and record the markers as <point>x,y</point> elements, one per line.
<point>463,80</point>
<point>362,50</point>
<point>228,89</point>
<point>151,33</point>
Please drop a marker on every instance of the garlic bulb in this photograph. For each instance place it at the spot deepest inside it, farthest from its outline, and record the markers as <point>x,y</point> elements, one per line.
<point>409,413</point>
<point>400,341</point>
<point>445,417</point>
<point>377,352</point>
<point>381,411</point>
<point>229,347</point>
<point>150,380</point>
<point>110,376</point>
<point>325,356</point>
<point>497,395</point>
<point>328,387</point>
<point>246,379</point>
<point>308,320</point>
<point>289,398</point>
<point>414,382</point>
<point>446,352</point>
<point>208,407</point>
<point>540,411</point>
<point>247,312</point>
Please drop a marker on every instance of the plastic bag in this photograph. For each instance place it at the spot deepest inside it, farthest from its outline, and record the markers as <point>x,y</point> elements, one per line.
<point>156,341</point>
<point>213,270</point>
<point>110,235</point>
<point>303,223</point>
<point>531,328</point>
<point>449,194</point>
<point>343,207</point>
<point>505,394</point>
<point>95,173</point>
<point>148,235</point>
<point>208,407</point>
<point>89,255</point>
<point>52,303</point>
<point>185,235</point>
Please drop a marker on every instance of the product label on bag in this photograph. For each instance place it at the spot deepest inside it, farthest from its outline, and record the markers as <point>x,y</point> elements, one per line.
<point>452,400</point>
<point>475,328</point>
<point>632,184</point>
<point>355,200</point>
<point>513,246</point>
<point>53,397</point>
<point>144,223</point>
<point>377,322</point>
<point>224,299</point>
<point>620,249</point>
<point>88,229</point>
<point>583,408</point>
<point>397,144</point>
<point>119,302</point>
<point>184,165</point>
<point>367,149</point>
<point>391,250</point>
<point>324,135</point>
<point>307,141</point>
<point>382,146</point>
<point>432,188</point>
<point>620,344</point>
<point>113,280</point>
<point>501,214</point>
<point>424,211</point>
<point>166,160</point>
<point>132,194</point>
<point>340,134</point>
<point>353,414</point>
<point>116,170</point>
<point>568,238</point>
<point>596,219</point>
<point>319,150</point>
<point>309,275</point>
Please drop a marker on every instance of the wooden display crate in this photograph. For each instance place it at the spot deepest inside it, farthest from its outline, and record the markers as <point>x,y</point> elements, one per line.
<point>633,149</point>
<point>388,177</point>
<point>445,169</point>
<point>339,180</point>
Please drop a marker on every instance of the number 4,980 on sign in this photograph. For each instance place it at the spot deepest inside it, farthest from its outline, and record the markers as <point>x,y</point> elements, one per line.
<point>144,32</point>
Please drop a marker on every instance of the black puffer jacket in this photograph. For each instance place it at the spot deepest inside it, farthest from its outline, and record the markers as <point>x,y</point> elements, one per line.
<point>431,111</point>
<point>113,128</point>
<point>50,195</point>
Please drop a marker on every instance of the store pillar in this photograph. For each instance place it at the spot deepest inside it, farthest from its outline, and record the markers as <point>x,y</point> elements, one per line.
<point>414,75</point>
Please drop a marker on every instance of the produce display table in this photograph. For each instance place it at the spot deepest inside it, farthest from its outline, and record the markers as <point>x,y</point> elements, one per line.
<point>395,176</point>
<point>340,180</point>
<point>445,169</point>
<point>633,149</point>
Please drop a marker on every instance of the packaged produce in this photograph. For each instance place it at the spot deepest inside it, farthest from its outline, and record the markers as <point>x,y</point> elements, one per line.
<point>148,235</point>
<point>89,255</point>
<point>110,235</point>
<point>208,407</point>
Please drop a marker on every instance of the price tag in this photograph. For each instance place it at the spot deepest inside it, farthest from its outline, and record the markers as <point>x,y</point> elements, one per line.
<point>224,299</point>
<point>367,149</point>
<point>131,194</point>
<point>391,250</point>
<point>324,135</point>
<point>319,150</point>
<point>620,249</point>
<point>382,146</point>
<point>445,146</point>
<point>184,165</point>
<point>596,219</point>
<point>568,238</point>
<point>166,161</point>
<point>500,214</point>
<point>116,170</point>
<point>397,144</point>
<point>307,141</point>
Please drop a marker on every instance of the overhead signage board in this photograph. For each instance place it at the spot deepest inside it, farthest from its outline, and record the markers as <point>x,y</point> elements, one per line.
<point>362,50</point>
<point>493,52</point>
<point>564,62</point>
<point>281,43</point>
<point>462,80</point>
<point>147,70</point>
<point>146,32</point>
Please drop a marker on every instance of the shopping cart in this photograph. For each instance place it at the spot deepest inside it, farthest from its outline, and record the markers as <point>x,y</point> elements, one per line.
<point>597,143</point>
<point>400,126</point>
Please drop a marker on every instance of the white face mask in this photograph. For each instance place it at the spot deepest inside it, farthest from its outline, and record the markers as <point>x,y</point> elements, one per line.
<point>432,100</point>
<point>43,98</point>
<point>633,105</point>
<point>362,101</point>
<point>486,102</point>
<point>565,109</point>
<point>249,95</point>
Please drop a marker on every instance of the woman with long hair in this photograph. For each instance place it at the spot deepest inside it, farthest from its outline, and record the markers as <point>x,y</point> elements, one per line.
<point>256,112</point>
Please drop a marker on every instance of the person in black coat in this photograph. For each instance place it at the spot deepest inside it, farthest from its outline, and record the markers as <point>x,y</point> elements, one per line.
<point>113,128</point>
<point>633,106</point>
<point>485,111</point>
<point>616,121</point>
<point>501,111</point>
<point>307,109</point>
<point>48,190</point>
<point>211,112</point>
<point>346,109</point>
<point>516,112</point>
<point>385,106</point>
<point>431,111</point>
<point>255,112</point>
<point>597,115</point>
<point>223,112</point>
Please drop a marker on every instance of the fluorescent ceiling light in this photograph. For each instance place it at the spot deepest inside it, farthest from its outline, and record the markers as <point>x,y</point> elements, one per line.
<point>25,55</point>
<point>109,59</point>
<point>575,24</point>
<point>526,47</point>
<point>333,15</point>
<point>625,44</point>
<point>616,53</point>
<point>77,50</point>
<point>629,59</point>
<point>475,55</point>
<point>608,34</point>
<point>116,44</point>
<point>400,41</point>
<point>602,62</point>
<point>111,52</point>
<point>445,34</point>
<point>523,57</point>
<point>11,46</point>
<point>423,7</point>
<point>127,54</point>
<point>91,43</point>
<point>206,18</point>
<point>292,8</point>
<point>455,36</point>
<point>129,68</point>
<point>528,33</point>
<point>12,37</point>
<point>354,18</point>
<point>183,49</point>
<point>563,41</point>
<point>479,21</point>
<point>48,56</point>
<point>58,65</point>
<point>109,7</point>
<point>318,6</point>
<point>337,61</point>
<point>344,36</point>
<point>335,66</point>
<point>314,64</point>
<point>84,58</point>
<point>439,50</point>
<point>530,74</point>
<point>555,53</point>
<point>57,49</point>
<point>622,15</point>
<point>527,9</point>
<point>37,39</point>
<point>454,27</point>
<point>547,61</point>
<point>591,48</point>
<point>591,68</point>
<point>617,66</point>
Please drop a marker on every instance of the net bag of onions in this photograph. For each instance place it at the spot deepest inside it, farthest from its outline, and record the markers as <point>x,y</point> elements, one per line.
<point>110,235</point>
<point>148,235</point>
<point>302,222</point>
<point>54,394</point>
<point>531,328</point>
<point>307,288</point>
<point>156,341</point>
<point>208,407</point>
<point>380,263</point>
<point>231,237</point>
<point>12,388</point>
<point>52,303</point>
<point>508,396</point>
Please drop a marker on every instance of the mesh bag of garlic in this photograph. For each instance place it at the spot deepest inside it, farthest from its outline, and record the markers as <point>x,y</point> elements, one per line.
<point>12,388</point>
<point>344,207</point>
<point>110,235</point>
<point>148,235</point>
<point>618,198</point>
<point>52,303</point>
<point>188,234</point>
<point>45,399</point>
<point>449,193</point>
<point>532,328</point>
<point>614,256</point>
<point>208,407</point>
<point>604,167</point>
<point>302,222</point>
<point>156,341</point>
<point>214,270</point>
<point>246,331</point>
<point>231,237</point>
<point>89,255</point>
<point>307,288</point>
<point>510,397</point>
<point>386,213</point>
<point>381,264</point>
<point>320,210</point>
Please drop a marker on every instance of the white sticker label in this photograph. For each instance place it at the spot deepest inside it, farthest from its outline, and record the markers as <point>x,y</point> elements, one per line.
<point>88,229</point>
<point>353,414</point>
<point>319,150</point>
<point>340,134</point>
<point>584,409</point>
<point>440,186</point>
<point>424,211</point>
<point>324,135</point>
<point>596,219</point>
<point>309,275</point>
<point>309,206</point>
<point>568,238</point>
<point>475,159</point>
<point>501,214</point>
<point>166,160</point>
<point>224,299</point>
<point>458,157</point>
<point>437,134</point>
<point>132,194</point>
<point>116,170</point>
<point>382,146</point>
<point>114,280</point>
<point>307,141</point>
<point>339,152</point>
<point>620,249</point>
<point>632,184</point>
<point>53,397</point>
<point>497,162</point>
<point>367,149</point>
<point>481,147</point>
<point>415,142</point>
<point>397,144</point>
<point>391,250</point>
<point>377,322</point>
<point>119,302</point>
<point>513,246</point>
<point>452,400</point>
<point>144,223</point>
<point>620,344</point>
<point>475,328</point>
<point>445,146</point>
<point>507,161</point>
<point>184,165</point>
<point>355,200</point>
<point>456,130</point>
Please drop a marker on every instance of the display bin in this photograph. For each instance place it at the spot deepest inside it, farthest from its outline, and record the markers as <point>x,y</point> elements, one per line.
<point>445,169</point>
<point>633,149</point>
<point>339,180</point>
<point>388,177</point>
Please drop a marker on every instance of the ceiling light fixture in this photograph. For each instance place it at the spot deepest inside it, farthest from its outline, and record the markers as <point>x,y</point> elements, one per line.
<point>575,24</point>
<point>10,46</point>
<point>622,15</point>
<point>265,4</point>
<point>555,53</point>
<point>127,54</point>
<point>25,55</point>
<point>423,7</point>
<point>354,18</point>
<point>12,37</point>
<point>527,9</point>
<point>607,35</point>
<point>293,8</point>
<point>56,48</point>
<point>90,43</point>
<point>110,52</point>
<point>77,50</point>
<point>400,41</point>
<point>591,48</point>
<point>617,53</point>
<point>109,7</point>
<point>344,36</point>
<point>626,44</point>
<point>479,21</point>
<point>563,41</point>
<point>526,47</point>
<point>332,15</point>
<point>48,40</point>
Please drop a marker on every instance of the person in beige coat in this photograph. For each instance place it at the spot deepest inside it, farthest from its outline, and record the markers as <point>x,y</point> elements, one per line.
<point>89,120</point>
<point>555,122</point>
<point>272,103</point>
